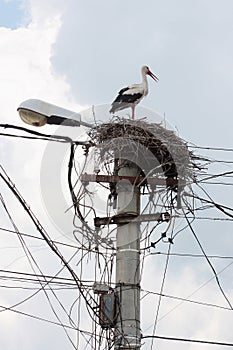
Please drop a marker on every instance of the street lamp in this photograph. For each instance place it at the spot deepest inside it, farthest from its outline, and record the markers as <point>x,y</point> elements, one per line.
<point>38,113</point>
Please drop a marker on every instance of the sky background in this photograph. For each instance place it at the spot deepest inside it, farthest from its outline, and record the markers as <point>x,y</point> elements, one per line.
<point>77,54</point>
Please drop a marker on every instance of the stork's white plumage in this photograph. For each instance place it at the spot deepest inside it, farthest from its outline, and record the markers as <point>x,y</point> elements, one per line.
<point>131,95</point>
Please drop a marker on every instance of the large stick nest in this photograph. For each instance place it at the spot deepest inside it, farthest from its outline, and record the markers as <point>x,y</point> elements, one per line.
<point>155,149</point>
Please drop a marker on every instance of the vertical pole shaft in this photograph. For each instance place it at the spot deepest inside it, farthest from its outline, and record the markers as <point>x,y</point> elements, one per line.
<point>127,330</point>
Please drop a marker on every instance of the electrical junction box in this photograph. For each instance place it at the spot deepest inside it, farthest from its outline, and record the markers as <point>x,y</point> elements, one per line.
<point>107,310</point>
<point>100,288</point>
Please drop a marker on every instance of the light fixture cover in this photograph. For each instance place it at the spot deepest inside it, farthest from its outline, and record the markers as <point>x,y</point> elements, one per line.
<point>38,113</point>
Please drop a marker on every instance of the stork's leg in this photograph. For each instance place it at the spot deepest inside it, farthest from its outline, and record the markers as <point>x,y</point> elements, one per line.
<point>133,108</point>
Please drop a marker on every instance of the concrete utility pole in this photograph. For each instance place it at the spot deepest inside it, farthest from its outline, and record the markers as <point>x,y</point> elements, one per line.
<point>127,329</point>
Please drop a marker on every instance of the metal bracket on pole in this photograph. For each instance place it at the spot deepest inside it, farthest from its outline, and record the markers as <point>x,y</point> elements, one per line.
<point>134,180</point>
<point>126,218</point>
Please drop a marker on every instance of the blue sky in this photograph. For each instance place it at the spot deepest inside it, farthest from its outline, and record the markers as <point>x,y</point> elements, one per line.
<point>12,13</point>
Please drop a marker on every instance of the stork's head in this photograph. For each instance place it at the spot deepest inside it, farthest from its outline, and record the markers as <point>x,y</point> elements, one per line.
<point>146,70</point>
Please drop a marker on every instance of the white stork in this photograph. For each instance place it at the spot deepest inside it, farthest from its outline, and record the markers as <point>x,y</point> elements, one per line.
<point>131,95</point>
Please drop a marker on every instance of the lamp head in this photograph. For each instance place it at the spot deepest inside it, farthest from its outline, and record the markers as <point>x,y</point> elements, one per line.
<point>38,113</point>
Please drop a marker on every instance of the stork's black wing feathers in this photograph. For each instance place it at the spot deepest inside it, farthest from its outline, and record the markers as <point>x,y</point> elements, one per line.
<point>120,94</point>
<point>123,100</point>
<point>123,90</point>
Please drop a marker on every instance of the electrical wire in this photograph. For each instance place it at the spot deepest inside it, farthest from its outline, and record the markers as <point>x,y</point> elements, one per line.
<point>207,342</point>
<point>92,241</point>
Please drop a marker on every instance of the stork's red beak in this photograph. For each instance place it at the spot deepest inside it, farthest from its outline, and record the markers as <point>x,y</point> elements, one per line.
<point>153,76</point>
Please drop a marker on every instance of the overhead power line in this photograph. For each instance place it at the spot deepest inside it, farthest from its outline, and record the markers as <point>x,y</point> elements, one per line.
<point>188,340</point>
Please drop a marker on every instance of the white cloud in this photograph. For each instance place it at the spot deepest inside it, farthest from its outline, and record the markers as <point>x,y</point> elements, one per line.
<point>26,70</point>
<point>41,11</point>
